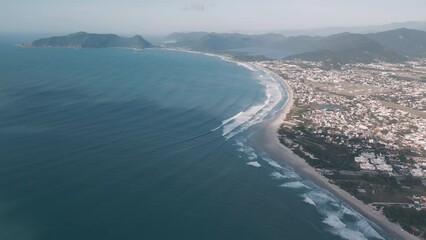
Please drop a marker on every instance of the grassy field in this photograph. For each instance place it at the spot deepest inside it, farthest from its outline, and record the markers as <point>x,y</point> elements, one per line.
<point>405,109</point>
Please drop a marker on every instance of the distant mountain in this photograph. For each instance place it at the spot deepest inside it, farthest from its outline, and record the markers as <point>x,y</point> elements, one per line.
<point>391,46</point>
<point>326,31</point>
<point>91,40</point>
<point>405,41</point>
<point>204,41</point>
<point>184,37</point>
<point>348,48</point>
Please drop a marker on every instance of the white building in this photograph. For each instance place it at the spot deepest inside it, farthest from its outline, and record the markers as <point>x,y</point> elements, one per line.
<point>361,159</point>
<point>416,172</point>
<point>367,166</point>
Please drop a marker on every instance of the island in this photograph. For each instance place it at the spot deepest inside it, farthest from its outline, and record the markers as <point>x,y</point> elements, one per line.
<point>91,40</point>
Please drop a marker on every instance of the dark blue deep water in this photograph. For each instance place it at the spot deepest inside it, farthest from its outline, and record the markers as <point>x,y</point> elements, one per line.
<point>122,144</point>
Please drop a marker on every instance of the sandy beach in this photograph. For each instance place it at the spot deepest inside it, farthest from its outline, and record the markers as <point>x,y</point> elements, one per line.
<point>267,140</point>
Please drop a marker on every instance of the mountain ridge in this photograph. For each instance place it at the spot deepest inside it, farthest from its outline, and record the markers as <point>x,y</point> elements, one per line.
<point>406,41</point>
<point>341,48</point>
<point>92,40</point>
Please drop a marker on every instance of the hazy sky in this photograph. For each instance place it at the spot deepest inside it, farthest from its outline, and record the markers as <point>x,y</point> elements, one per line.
<point>164,16</point>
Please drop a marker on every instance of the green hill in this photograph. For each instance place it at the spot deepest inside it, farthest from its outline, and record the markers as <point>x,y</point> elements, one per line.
<point>348,48</point>
<point>406,41</point>
<point>91,40</point>
<point>391,46</point>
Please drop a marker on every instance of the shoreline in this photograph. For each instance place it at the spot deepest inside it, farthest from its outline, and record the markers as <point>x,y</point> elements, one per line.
<point>267,139</point>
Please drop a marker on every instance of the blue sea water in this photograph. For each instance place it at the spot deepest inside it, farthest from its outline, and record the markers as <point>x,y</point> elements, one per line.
<point>124,144</point>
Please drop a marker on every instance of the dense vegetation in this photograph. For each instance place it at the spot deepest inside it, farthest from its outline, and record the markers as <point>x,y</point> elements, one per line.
<point>328,155</point>
<point>410,219</point>
<point>390,46</point>
<point>90,40</point>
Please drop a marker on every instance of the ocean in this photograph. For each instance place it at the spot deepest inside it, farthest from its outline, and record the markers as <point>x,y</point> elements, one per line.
<point>153,144</point>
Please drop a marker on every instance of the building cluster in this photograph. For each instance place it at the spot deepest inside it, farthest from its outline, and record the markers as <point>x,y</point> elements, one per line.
<point>362,106</point>
<point>419,202</point>
<point>369,161</point>
<point>405,83</point>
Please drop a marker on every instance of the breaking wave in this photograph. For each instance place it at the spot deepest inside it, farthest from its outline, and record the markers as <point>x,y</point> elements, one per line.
<point>258,112</point>
<point>254,164</point>
<point>309,201</point>
<point>296,184</point>
<point>337,217</point>
<point>341,220</point>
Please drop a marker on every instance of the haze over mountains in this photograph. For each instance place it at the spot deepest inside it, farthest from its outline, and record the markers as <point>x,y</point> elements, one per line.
<point>391,46</point>
<point>326,31</point>
<point>406,41</point>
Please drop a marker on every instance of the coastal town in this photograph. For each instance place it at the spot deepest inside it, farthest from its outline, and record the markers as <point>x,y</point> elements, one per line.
<point>363,126</point>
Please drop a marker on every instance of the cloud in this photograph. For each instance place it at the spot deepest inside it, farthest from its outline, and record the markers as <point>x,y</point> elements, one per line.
<point>198,6</point>
<point>83,9</point>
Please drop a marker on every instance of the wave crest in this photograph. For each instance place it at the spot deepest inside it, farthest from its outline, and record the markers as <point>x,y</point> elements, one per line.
<point>258,112</point>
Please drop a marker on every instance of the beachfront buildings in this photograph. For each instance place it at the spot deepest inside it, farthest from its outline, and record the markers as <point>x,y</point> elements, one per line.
<point>378,110</point>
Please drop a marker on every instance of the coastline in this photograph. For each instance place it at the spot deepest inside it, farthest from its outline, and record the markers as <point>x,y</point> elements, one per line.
<point>267,139</point>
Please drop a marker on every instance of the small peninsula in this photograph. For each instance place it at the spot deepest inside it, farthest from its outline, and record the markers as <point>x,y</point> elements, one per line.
<point>91,40</point>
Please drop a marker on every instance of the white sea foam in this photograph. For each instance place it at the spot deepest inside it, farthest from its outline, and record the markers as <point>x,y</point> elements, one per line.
<point>309,201</point>
<point>248,66</point>
<point>349,234</point>
<point>296,184</point>
<point>320,197</point>
<point>334,221</point>
<point>232,118</point>
<point>228,59</point>
<point>353,228</point>
<point>350,228</point>
<point>272,163</point>
<point>249,151</point>
<point>251,154</point>
<point>349,212</point>
<point>277,175</point>
<point>368,231</point>
<point>226,121</point>
<point>291,175</point>
<point>258,112</point>
<point>254,164</point>
<point>284,175</point>
<point>339,228</point>
<point>241,118</point>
